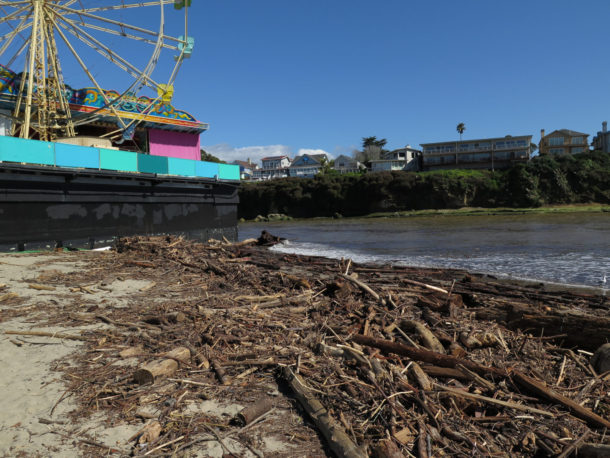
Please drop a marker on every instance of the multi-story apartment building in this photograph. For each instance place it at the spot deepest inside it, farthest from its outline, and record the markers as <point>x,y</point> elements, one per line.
<point>399,159</point>
<point>272,167</point>
<point>601,142</point>
<point>486,153</point>
<point>563,141</point>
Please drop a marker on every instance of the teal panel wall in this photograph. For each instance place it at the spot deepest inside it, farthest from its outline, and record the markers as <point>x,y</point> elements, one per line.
<point>31,151</point>
<point>183,167</point>
<point>228,172</point>
<point>123,161</point>
<point>152,164</point>
<point>206,169</point>
<point>76,156</point>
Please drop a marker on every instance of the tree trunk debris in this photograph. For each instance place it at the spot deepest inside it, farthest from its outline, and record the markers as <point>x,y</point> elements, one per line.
<point>385,360</point>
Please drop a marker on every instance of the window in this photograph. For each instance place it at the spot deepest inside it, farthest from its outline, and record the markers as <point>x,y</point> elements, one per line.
<point>432,160</point>
<point>500,145</point>
<point>481,157</point>
<point>503,156</point>
<point>578,140</point>
<point>556,141</point>
<point>556,150</point>
<point>578,149</point>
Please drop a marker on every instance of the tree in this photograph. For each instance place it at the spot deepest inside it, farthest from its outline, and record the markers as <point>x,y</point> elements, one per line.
<point>368,142</point>
<point>205,156</point>
<point>326,166</point>
<point>372,149</point>
<point>461,127</point>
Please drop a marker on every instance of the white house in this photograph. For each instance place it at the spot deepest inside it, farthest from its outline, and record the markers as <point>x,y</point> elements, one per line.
<point>307,165</point>
<point>346,164</point>
<point>273,167</point>
<point>398,159</point>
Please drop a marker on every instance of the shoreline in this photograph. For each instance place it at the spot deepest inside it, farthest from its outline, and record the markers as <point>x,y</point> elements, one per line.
<point>465,211</point>
<point>248,316</point>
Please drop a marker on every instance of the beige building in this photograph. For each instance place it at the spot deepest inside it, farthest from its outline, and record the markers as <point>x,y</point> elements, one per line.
<point>486,153</point>
<point>563,141</point>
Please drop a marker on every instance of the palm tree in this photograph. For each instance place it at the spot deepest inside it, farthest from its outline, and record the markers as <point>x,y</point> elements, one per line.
<point>372,141</point>
<point>461,127</point>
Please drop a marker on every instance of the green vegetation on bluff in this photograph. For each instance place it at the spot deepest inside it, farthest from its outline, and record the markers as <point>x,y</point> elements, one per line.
<point>584,178</point>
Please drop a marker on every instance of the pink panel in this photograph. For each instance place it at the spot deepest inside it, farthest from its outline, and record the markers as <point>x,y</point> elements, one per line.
<point>174,144</point>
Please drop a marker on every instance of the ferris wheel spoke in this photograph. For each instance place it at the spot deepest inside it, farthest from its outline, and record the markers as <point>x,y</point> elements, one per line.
<point>23,2</point>
<point>107,102</point>
<point>128,5</point>
<point>14,15</point>
<point>18,53</point>
<point>117,23</point>
<point>122,34</point>
<point>9,37</point>
<point>105,51</point>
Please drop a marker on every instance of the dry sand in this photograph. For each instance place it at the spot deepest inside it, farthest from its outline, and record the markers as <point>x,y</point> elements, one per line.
<point>36,402</point>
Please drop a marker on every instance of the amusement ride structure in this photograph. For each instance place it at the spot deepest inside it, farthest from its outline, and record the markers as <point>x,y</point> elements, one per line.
<point>43,36</point>
<point>125,154</point>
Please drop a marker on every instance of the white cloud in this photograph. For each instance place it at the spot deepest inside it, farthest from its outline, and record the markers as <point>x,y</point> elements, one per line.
<point>230,153</point>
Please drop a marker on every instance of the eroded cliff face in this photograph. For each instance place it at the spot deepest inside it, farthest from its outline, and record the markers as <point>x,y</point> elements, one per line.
<point>570,179</point>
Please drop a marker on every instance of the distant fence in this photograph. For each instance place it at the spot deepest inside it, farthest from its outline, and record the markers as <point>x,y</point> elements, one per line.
<point>64,155</point>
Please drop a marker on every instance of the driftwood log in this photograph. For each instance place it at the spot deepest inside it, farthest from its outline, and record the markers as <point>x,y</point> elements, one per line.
<point>251,413</point>
<point>583,330</point>
<point>427,356</point>
<point>577,410</point>
<point>165,367</point>
<point>338,441</point>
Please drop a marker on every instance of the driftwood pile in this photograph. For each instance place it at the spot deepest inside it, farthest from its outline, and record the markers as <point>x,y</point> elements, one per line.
<point>381,361</point>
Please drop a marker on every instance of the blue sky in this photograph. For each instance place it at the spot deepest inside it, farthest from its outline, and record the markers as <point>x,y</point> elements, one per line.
<point>286,75</point>
<point>282,76</point>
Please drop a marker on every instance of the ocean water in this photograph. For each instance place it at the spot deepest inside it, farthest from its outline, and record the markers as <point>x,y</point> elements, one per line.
<point>565,248</point>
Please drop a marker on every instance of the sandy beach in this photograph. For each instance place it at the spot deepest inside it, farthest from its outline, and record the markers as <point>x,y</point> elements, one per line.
<point>166,347</point>
<point>37,407</point>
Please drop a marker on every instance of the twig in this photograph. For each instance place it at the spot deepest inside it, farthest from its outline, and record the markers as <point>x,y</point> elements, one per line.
<point>56,335</point>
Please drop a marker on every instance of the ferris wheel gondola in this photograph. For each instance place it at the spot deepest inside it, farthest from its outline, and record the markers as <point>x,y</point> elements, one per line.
<point>47,37</point>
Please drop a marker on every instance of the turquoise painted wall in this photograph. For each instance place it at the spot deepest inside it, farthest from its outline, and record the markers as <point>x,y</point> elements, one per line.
<point>64,155</point>
<point>31,151</point>
<point>228,172</point>
<point>182,167</point>
<point>152,164</point>
<point>76,156</point>
<point>123,161</point>
<point>206,169</point>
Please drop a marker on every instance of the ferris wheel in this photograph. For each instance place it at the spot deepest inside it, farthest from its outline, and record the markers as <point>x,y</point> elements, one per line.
<point>52,45</point>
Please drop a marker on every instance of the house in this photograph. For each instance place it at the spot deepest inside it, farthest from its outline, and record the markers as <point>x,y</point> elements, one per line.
<point>399,159</point>
<point>346,164</point>
<point>307,165</point>
<point>601,142</point>
<point>486,153</point>
<point>562,141</point>
<point>272,167</point>
<point>246,169</point>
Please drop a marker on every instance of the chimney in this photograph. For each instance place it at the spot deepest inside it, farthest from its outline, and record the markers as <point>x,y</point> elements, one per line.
<point>541,134</point>
<point>249,161</point>
<point>605,126</point>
